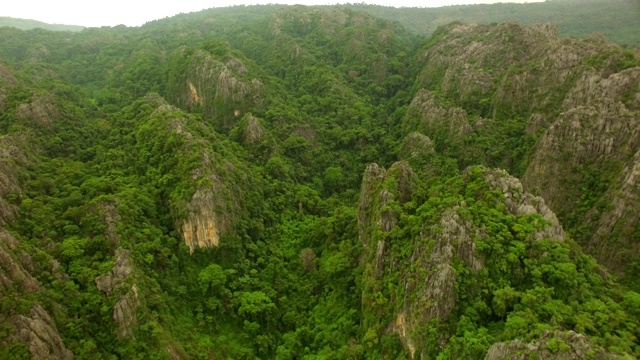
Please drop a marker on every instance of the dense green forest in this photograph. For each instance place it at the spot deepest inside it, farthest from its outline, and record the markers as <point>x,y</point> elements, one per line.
<point>290,182</point>
<point>26,24</point>
<point>615,19</point>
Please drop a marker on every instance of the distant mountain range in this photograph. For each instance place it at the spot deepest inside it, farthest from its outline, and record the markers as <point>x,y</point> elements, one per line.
<point>616,19</point>
<point>27,24</point>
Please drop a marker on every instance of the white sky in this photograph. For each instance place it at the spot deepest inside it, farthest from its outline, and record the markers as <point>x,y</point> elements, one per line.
<point>137,12</point>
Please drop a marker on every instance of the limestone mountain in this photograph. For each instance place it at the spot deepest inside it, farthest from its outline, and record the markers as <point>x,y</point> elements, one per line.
<point>562,113</point>
<point>290,182</point>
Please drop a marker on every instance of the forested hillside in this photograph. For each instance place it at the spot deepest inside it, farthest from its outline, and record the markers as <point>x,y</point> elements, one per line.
<point>616,19</point>
<point>26,24</point>
<point>290,182</point>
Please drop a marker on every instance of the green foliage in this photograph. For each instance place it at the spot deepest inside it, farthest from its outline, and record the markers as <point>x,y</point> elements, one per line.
<point>133,152</point>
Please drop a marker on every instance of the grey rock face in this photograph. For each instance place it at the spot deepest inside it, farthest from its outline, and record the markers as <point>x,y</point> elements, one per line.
<point>12,268</point>
<point>119,273</point>
<point>555,345</point>
<point>39,332</point>
<point>520,202</point>
<point>124,312</point>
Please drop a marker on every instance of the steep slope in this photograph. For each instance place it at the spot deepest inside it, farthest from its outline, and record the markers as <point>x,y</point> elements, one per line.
<point>617,20</point>
<point>561,113</point>
<point>199,187</point>
<point>470,261</point>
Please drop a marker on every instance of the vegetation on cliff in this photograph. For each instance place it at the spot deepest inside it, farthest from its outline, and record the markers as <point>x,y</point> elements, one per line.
<point>318,183</point>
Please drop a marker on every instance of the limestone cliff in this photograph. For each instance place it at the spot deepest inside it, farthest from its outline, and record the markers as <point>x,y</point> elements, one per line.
<point>575,101</point>
<point>426,115</point>
<point>39,332</point>
<point>14,273</point>
<point>555,345</point>
<point>253,132</point>
<point>223,90</point>
<point>203,226</point>
<point>7,82</point>
<point>594,143</point>
<point>215,197</point>
<point>428,275</point>
<point>35,329</point>
<point>120,278</point>
<point>41,110</point>
<point>511,67</point>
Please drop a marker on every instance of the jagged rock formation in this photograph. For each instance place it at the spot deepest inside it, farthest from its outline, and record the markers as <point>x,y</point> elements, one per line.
<point>555,345</point>
<point>39,332</point>
<point>520,202</point>
<point>41,110</point>
<point>7,82</point>
<point>416,146</point>
<point>430,290</point>
<point>118,274</point>
<point>379,188</point>
<point>120,277</point>
<point>12,159</point>
<point>13,275</point>
<point>511,66</point>
<point>427,116</point>
<point>216,202</point>
<point>581,101</point>
<point>622,217</point>
<point>201,229</point>
<point>253,133</point>
<point>595,139</point>
<point>124,311</point>
<point>222,90</point>
<point>428,279</point>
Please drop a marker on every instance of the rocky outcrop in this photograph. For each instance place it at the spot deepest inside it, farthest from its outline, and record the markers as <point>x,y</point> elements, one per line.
<point>555,345</point>
<point>202,227</point>
<point>581,136</point>
<point>124,312</point>
<point>110,217</point>
<point>581,102</point>
<point>416,146</point>
<point>513,68</point>
<point>380,188</point>
<point>39,333</point>
<point>428,276</point>
<point>430,295</point>
<point>13,275</point>
<point>212,210</point>
<point>253,132</point>
<point>426,115</point>
<point>520,202</point>
<point>41,110</point>
<point>12,159</point>
<point>7,82</point>
<point>620,219</point>
<point>222,90</point>
<point>36,330</point>
<point>588,153</point>
<point>120,276</point>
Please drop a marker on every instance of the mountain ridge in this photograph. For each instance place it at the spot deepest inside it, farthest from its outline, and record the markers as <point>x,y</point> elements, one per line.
<point>316,183</point>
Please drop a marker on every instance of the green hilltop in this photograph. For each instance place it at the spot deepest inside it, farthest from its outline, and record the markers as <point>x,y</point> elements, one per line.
<point>26,24</point>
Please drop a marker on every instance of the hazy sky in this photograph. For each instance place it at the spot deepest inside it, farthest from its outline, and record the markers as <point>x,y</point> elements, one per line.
<point>137,12</point>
